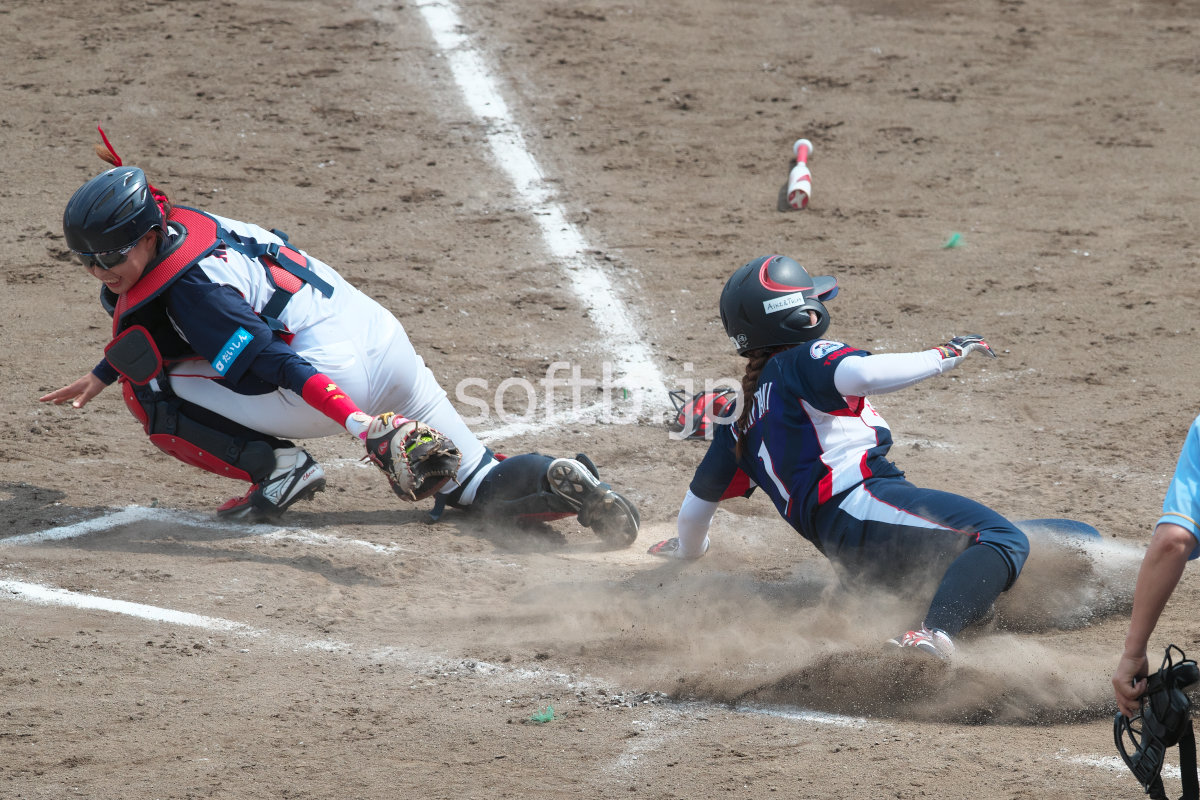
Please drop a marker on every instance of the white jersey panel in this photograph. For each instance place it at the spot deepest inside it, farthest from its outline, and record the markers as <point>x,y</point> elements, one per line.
<point>862,505</point>
<point>845,440</point>
<point>307,308</point>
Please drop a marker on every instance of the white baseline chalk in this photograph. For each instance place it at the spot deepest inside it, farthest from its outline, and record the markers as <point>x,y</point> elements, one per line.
<point>125,516</point>
<point>49,595</point>
<point>1115,764</point>
<point>591,285</point>
<point>133,514</point>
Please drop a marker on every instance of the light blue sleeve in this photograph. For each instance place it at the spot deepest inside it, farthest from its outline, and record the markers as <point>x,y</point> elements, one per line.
<point>1182,504</point>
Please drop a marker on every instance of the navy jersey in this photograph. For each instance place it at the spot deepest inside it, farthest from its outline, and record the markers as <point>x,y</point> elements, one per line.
<point>210,311</point>
<point>805,442</point>
<point>222,327</point>
<point>213,321</point>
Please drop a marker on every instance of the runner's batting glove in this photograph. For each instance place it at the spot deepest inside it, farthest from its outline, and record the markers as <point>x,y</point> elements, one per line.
<point>962,345</point>
<point>417,460</point>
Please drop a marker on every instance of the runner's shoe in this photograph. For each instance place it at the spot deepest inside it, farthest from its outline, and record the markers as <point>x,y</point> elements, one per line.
<point>933,641</point>
<point>296,477</point>
<point>610,516</point>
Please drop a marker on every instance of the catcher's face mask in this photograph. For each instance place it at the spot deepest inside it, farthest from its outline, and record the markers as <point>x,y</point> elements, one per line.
<point>697,417</point>
<point>1165,720</point>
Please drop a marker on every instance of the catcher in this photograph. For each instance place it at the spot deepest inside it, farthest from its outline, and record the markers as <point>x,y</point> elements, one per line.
<point>229,342</point>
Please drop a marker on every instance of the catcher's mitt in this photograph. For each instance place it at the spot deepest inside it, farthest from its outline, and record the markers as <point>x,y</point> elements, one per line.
<point>416,459</point>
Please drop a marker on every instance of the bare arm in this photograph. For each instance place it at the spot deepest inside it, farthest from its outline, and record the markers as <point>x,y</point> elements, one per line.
<point>1161,569</point>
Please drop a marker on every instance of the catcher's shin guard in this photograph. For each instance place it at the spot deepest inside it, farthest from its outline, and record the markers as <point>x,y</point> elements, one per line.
<point>174,429</point>
<point>517,489</point>
<point>532,486</point>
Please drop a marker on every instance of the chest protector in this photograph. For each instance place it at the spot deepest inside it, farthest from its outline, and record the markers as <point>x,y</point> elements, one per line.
<point>199,235</point>
<point>228,450</point>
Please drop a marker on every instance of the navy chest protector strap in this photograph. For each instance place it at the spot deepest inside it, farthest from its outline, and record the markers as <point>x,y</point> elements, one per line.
<point>199,234</point>
<point>287,268</point>
<point>1164,721</point>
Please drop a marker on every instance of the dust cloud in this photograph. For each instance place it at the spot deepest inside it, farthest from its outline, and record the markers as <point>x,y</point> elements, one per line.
<point>734,629</point>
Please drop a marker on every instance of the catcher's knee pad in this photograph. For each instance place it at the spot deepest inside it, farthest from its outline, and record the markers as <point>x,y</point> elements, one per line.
<point>518,488</point>
<point>177,433</point>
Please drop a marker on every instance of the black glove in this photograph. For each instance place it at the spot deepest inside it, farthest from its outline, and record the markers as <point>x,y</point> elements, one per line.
<point>961,345</point>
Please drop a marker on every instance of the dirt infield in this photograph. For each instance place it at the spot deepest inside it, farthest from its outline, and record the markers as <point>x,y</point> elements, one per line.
<point>357,650</point>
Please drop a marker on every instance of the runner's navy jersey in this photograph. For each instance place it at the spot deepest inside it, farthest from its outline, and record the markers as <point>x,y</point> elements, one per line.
<point>805,442</point>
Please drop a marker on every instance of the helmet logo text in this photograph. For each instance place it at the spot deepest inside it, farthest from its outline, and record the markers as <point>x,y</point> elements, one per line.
<point>785,302</point>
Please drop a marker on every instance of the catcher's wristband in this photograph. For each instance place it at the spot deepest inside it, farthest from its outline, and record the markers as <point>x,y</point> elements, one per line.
<point>325,396</point>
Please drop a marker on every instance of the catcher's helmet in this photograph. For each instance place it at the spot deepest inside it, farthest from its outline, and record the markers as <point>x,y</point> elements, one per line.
<point>109,212</point>
<point>696,417</point>
<point>766,304</point>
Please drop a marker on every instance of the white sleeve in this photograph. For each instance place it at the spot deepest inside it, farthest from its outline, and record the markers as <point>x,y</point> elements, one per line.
<point>695,517</point>
<point>858,376</point>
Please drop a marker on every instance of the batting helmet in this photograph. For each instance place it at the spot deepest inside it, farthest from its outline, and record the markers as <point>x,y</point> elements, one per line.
<point>766,304</point>
<point>109,212</point>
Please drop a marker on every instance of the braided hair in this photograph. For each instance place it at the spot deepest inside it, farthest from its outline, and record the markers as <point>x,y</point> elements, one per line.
<point>756,360</point>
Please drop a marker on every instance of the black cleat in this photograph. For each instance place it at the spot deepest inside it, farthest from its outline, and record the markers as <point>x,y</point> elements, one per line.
<point>610,516</point>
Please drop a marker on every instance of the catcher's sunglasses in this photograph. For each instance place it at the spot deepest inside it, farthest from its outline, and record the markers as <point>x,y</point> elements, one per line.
<point>106,260</point>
